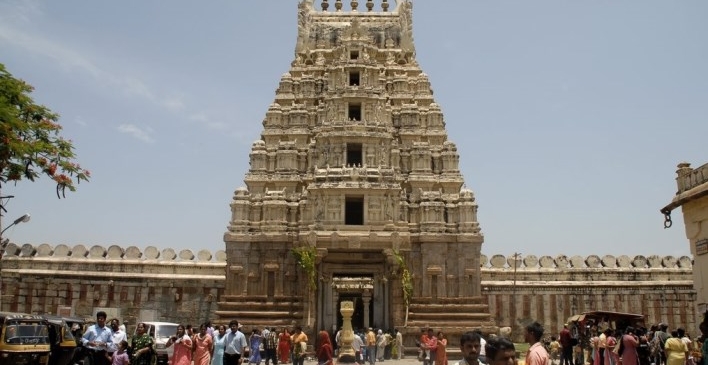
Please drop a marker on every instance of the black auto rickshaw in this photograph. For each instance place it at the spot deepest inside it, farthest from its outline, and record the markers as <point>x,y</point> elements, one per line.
<point>65,346</point>
<point>24,339</point>
<point>582,326</point>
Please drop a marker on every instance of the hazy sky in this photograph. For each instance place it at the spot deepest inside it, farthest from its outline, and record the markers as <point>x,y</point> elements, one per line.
<point>569,116</point>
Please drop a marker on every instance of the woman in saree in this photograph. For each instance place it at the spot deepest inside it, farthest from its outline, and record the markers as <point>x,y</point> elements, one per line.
<point>255,346</point>
<point>142,346</point>
<point>219,346</point>
<point>284,346</point>
<point>203,346</point>
<point>675,350</point>
<point>441,353</point>
<point>324,350</point>
<point>183,347</point>
<point>630,342</point>
<point>595,349</point>
<point>611,358</point>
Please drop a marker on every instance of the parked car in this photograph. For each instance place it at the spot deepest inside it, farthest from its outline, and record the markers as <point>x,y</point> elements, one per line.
<point>160,333</point>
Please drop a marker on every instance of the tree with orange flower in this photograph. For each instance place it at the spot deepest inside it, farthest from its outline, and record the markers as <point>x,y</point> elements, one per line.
<point>30,144</point>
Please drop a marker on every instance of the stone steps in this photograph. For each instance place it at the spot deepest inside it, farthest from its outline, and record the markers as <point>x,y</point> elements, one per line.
<point>258,311</point>
<point>453,316</point>
<point>446,308</point>
<point>457,316</point>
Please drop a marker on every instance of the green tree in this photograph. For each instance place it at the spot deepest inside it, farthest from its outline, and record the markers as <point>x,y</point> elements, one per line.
<point>30,144</point>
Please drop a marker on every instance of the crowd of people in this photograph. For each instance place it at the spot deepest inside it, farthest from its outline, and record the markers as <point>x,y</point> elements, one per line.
<point>229,345</point>
<point>630,346</point>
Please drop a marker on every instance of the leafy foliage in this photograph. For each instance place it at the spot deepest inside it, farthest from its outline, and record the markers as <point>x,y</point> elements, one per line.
<point>306,256</point>
<point>30,144</point>
<point>406,279</point>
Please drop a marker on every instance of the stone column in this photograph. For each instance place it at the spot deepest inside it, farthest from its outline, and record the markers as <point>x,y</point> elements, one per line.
<point>346,352</point>
<point>335,299</point>
<point>366,297</point>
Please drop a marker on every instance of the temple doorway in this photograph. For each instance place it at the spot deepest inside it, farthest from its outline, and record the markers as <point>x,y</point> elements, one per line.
<point>358,321</point>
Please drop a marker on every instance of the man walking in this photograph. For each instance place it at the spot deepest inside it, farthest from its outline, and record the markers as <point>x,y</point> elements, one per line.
<point>399,344</point>
<point>470,348</point>
<point>98,339</point>
<point>371,346</point>
<point>236,344</point>
<point>566,342</point>
<point>536,354</point>
<point>271,346</point>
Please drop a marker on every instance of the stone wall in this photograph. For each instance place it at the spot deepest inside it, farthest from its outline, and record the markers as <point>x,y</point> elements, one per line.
<point>164,285</point>
<point>128,283</point>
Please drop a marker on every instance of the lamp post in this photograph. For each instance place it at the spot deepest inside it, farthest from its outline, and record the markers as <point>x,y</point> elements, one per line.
<point>24,219</point>
<point>3,243</point>
<point>513,297</point>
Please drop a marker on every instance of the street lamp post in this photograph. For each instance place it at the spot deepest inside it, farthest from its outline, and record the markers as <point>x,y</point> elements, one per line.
<point>513,297</point>
<point>3,243</point>
<point>24,219</point>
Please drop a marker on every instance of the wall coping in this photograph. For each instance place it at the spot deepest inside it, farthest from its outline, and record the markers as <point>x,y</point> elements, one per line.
<point>152,255</point>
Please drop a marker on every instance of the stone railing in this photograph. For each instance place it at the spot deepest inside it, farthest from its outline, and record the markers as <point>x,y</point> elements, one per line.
<point>114,252</point>
<point>527,262</point>
<point>562,262</point>
<point>689,178</point>
<point>495,262</point>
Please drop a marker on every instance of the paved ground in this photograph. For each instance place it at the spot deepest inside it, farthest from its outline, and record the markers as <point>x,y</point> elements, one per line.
<point>410,360</point>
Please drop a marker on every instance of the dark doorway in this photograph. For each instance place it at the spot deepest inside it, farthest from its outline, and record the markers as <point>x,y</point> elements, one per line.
<point>354,152</point>
<point>354,211</point>
<point>355,111</point>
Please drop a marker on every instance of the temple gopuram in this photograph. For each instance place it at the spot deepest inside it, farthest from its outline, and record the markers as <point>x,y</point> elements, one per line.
<point>354,190</point>
<point>354,193</point>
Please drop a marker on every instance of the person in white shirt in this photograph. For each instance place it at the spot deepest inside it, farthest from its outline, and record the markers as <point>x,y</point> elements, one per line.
<point>236,344</point>
<point>482,343</point>
<point>118,335</point>
<point>500,351</point>
<point>470,348</point>
<point>98,339</point>
<point>357,344</point>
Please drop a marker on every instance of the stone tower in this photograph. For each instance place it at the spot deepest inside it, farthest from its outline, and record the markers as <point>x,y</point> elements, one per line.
<point>355,168</point>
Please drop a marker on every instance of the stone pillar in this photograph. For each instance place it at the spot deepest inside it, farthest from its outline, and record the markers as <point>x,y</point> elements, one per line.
<point>366,297</point>
<point>346,352</point>
<point>335,299</point>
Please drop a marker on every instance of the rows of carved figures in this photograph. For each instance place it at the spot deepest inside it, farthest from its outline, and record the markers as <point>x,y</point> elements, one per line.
<point>494,262</point>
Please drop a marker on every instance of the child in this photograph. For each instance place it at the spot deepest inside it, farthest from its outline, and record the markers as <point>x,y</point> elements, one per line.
<point>120,357</point>
<point>555,350</point>
<point>579,355</point>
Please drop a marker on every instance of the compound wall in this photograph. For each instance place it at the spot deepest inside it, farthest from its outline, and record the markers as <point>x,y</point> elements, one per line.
<point>150,284</point>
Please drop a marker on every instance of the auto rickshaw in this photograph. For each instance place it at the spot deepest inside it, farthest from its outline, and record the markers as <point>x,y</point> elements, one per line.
<point>24,339</point>
<point>582,325</point>
<point>64,345</point>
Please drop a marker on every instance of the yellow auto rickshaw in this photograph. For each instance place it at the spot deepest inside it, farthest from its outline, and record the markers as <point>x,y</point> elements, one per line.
<point>24,339</point>
<point>64,346</point>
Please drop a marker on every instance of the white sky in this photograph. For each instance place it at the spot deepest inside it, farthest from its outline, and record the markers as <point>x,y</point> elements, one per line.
<point>569,116</point>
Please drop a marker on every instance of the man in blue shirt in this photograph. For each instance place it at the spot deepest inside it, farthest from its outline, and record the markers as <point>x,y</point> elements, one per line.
<point>98,339</point>
<point>236,344</point>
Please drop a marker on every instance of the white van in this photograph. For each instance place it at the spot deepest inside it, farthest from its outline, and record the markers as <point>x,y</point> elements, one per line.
<point>160,333</point>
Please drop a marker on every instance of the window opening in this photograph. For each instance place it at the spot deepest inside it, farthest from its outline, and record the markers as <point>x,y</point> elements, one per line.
<point>354,55</point>
<point>355,112</point>
<point>354,154</point>
<point>354,211</point>
<point>354,78</point>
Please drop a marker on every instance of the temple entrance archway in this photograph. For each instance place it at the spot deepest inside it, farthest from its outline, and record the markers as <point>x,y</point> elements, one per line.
<point>361,281</point>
